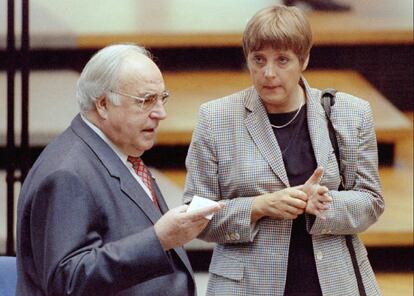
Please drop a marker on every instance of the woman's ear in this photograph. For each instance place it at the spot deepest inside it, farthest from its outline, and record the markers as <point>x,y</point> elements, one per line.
<point>101,105</point>
<point>305,63</point>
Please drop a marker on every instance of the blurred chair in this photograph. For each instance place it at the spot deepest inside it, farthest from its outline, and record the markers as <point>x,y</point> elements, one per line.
<point>8,275</point>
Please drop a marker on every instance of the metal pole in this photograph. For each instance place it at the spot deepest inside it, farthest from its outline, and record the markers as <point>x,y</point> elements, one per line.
<point>25,152</point>
<point>10,147</point>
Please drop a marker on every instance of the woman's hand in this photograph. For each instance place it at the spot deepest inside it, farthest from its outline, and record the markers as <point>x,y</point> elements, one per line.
<point>291,202</point>
<point>318,199</point>
<point>288,203</point>
<point>318,203</point>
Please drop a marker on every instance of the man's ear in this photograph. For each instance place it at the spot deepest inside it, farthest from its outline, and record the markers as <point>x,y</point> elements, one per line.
<point>305,63</point>
<point>101,105</point>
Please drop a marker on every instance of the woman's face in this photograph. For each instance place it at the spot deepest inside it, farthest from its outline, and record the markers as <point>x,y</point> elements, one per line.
<point>275,75</point>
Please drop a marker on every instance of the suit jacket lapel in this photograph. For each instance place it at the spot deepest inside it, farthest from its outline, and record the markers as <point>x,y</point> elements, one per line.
<point>317,126</point>
<point>258,125</point>
<point>115,168</point>
<point>160,197</point>
<point>135,192</point>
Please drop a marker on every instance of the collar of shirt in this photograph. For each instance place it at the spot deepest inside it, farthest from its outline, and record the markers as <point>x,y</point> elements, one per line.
<point>122,156</point>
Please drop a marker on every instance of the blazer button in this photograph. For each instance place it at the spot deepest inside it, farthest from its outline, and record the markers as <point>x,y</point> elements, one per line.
<point>319,255</point>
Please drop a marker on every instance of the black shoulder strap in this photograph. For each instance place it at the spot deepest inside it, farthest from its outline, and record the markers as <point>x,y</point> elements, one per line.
<point>328,100</point>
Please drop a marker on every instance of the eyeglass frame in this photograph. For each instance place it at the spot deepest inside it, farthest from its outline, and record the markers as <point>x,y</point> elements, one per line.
<point>163,98</point>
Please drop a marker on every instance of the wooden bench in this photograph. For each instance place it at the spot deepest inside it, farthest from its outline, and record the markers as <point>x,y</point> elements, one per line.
<point>190,89</point>
<point>395,227</point>
<point>200,23</point>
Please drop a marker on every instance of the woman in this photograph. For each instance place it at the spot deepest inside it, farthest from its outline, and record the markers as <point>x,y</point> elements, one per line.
<point>281,231</point>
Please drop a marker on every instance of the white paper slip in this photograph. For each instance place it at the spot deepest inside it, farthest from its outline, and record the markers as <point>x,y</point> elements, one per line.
<point>199,202</point>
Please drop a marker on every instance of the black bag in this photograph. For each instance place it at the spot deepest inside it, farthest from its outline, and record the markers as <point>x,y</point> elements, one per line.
<point>328,100</point>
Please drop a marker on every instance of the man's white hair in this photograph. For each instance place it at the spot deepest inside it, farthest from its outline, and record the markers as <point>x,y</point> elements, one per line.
<point>101,74</point>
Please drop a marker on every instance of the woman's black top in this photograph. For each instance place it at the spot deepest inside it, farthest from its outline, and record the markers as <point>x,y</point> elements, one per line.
<point>299,159</point>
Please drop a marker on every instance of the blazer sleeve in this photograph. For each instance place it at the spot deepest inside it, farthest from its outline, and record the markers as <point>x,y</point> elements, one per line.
<point>233,223</point>
<point>71,257</point>
<point>360,204</point>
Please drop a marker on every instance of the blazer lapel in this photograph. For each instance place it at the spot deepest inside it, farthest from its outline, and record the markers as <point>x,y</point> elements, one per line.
<point>160,197</point>
<point>115,168</point>
<point>258,125</point>
<point>317,126</point>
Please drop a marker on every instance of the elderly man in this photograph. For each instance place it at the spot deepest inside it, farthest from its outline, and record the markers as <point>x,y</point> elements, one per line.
<point>91,219</point>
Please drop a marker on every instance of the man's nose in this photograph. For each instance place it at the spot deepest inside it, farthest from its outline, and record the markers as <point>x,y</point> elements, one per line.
<point>158,111</point>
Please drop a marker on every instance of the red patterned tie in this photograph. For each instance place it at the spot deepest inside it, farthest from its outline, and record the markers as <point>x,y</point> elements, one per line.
<point>142,171</point>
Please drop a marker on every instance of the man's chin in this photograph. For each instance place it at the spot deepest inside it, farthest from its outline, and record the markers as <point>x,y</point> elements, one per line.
<point>147,145</point>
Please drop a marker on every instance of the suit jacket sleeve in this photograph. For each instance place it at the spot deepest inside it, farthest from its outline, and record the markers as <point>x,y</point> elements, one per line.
<point>233,223</point>
<point>361,203</point>
<point>72,256</point>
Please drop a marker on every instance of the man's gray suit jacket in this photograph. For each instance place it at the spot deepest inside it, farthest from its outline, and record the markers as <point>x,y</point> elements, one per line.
<point>85,226</point>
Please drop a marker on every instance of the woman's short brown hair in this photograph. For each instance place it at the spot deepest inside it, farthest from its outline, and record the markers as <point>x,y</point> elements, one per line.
<point>280,27</point>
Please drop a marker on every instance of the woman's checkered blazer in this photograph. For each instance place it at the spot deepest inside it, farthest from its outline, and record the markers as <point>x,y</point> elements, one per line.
<point>234,156</point>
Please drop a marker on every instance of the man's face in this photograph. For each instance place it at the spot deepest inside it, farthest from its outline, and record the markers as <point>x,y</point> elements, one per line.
<point>275,75</point>
<point>130,128</point>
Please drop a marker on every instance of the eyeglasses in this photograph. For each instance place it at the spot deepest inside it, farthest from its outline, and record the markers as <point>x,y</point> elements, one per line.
<point>148,101</point>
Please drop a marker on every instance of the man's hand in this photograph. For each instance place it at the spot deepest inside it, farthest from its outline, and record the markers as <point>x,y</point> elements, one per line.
<point>283,204</point>
<point>318,199</point>
<point>177,227</point>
